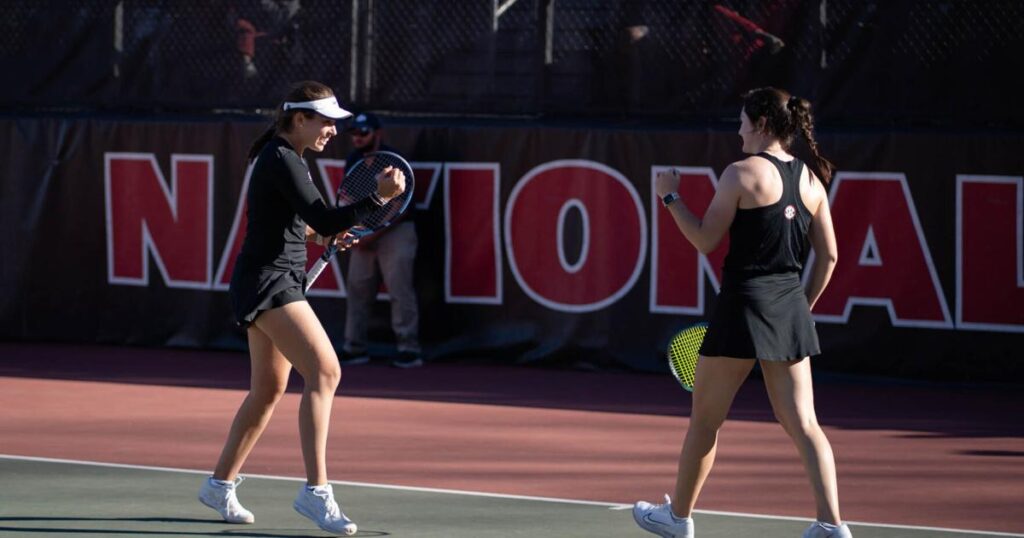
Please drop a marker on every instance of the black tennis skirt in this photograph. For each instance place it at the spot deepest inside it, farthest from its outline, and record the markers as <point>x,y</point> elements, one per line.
<point>761,317</point>
<point>253,292</point>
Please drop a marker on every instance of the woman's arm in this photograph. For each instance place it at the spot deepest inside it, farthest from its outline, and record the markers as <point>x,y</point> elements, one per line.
<point>313,237</point>
<point>297,187</point>
<point>706,233</point>
<point>823,241</point>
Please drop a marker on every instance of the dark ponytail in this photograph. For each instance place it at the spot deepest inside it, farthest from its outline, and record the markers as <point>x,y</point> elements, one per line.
<point>257,145</point>
<point>800,109</point>
<point>307,90</point>
<point>785,116</point>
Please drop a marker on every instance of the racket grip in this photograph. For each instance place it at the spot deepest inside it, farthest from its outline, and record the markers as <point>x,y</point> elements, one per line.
<point>314,272</point>
<point>319,266</point>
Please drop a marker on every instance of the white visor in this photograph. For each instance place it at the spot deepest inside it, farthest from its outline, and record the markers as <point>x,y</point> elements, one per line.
<point>328,106</point>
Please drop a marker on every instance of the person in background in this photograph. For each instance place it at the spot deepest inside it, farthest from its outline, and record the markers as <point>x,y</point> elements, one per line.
<point>389,254</point>
<point>276,21</point>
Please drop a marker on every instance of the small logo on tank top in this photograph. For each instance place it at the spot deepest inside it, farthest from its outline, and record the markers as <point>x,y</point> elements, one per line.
<point>790,212</point>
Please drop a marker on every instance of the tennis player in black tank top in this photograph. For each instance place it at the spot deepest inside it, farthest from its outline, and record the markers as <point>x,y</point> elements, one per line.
<point>774,209</point>
<point>285,211</point>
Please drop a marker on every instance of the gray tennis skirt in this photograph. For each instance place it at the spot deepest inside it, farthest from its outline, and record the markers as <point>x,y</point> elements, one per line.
<point>253,292</point>
<point>761,317</point>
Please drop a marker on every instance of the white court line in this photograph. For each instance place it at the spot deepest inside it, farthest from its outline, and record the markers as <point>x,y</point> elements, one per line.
<point>608,505</point>
<point>338,482</point>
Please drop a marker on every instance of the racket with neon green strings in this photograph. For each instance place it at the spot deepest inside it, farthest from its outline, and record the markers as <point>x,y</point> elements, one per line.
<point>683,350</point>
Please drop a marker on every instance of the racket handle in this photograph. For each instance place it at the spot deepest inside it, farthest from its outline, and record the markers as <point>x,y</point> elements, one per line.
<point>319,266</point>
<point>343,243</point>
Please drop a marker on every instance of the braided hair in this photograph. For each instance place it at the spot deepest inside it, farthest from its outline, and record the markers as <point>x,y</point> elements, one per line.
<point>786,116</point>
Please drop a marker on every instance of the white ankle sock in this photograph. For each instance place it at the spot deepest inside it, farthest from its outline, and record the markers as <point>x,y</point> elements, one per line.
<point>676,518</point>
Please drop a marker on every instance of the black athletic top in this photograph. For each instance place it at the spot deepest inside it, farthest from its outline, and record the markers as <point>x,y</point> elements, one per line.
<point>281,201</point>
<point>772,238</point>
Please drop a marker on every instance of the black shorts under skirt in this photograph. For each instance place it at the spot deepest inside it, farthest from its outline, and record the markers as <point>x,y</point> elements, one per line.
<point>761,317</point>
<point>252,292</point>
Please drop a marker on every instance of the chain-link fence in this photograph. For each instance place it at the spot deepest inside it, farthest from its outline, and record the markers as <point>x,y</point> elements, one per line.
<point>862,62</point>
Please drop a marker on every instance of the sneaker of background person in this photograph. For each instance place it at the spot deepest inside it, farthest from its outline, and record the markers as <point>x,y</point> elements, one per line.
<point>407,359</point>
<point>346,358</point>
<point>825,530</point>
<point>220,495</point>
<point>659,519</point>
<point>317,503</point>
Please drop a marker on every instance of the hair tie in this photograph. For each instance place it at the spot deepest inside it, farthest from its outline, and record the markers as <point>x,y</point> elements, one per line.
<point>794,103</point>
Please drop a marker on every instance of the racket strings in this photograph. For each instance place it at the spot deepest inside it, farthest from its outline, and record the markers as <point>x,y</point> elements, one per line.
<point>361,182</point>
<point>683,351</point>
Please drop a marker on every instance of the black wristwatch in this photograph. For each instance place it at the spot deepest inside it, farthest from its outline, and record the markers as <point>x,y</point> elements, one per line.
<point>669,198</point>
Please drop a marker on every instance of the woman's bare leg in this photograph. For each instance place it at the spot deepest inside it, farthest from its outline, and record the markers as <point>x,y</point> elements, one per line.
<point>716,381</point>
<point>792,396</point>
<point>268,381</point>
<point>296,331</point>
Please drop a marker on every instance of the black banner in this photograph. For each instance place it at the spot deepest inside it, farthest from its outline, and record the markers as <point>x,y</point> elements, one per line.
<point>536,243</point>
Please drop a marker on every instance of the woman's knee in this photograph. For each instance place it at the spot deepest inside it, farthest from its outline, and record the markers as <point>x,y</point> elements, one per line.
<point>327,375</point>
<point>798,425</point>
<point>705,424</point>
<point>709,410</point>
<point>332,374</point>
<point>268,393</point>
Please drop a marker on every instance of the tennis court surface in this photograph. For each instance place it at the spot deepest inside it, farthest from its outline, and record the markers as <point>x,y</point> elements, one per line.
<point>103,441</point>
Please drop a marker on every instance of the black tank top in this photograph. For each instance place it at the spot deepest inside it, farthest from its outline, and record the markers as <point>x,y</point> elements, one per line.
<point>772,238</point>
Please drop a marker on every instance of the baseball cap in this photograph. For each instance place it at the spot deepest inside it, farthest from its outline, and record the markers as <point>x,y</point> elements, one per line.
<point>364,122</point>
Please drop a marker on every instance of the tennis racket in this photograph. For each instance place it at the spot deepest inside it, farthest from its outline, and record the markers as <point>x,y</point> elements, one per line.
<point>683,351</point>
<point>359,182</point>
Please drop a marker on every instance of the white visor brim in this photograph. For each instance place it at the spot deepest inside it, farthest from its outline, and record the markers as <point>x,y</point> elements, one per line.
<point>328,107</point>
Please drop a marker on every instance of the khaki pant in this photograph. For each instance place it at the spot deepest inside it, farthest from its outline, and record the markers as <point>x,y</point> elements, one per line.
<point>390,255</point>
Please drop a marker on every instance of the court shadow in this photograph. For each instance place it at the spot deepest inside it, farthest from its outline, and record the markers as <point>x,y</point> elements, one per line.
<point>21,531</point>
<point>139,519</point>
<point>457,382</point>
<point>63,531</point>
<point>994,453</point>
<point>917,408</point>
<point>234,531</point>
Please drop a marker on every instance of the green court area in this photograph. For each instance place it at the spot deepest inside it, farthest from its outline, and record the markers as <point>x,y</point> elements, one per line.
<point>41,497</point>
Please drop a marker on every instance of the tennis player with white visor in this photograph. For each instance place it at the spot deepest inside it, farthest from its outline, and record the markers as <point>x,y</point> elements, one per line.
<point>285,210</point>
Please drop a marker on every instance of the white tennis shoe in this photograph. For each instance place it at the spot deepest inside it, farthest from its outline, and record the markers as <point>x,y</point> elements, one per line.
<point>223,499</point>
<point>659,519</point>
<point>318,505</point>
<point>819,530</point>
